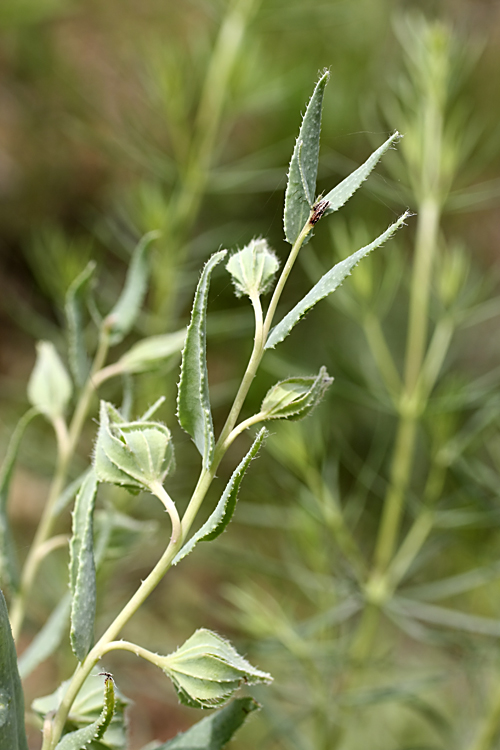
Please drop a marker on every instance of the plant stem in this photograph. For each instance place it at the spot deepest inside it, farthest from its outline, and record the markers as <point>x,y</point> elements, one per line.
<point>66,448</point>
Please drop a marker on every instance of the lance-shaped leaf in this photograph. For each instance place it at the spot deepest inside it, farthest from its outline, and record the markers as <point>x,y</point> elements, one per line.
<point>47,640</point>
<point>344,190</point>
<point>215,731</point>
<point>150,352</point>
<point>303,170</point>
<point>49,386</point>
<point>224,510</point>
<point>86,710</point>
<point>82,569</point>
<point>122,317</point>
<point>12,732</point>
<point>193,400</point>
<point>326,285</point>
<point>295,398</point>
<point>74,307</point>
<point>95,731</point>
<point>131,454</point>
<point>9,574</point>
<point>207,670</point>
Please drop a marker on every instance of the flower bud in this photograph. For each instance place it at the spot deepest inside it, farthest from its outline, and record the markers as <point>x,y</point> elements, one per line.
<point>295,398</point>
<point>253,268</point>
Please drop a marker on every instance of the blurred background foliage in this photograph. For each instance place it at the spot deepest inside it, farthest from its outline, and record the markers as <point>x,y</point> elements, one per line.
<point>121,117</point>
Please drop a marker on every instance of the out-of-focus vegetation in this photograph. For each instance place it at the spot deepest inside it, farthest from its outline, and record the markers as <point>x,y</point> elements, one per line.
<point>118,118</point>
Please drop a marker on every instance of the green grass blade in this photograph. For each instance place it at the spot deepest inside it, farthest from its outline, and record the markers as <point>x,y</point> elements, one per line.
<point>82,569</point>
<point>193,400</point>
<point>224,510</point>
<point>326,285</point>
<point>12,731</point>
<point>47,640</point>
<point>303,170</point>
<point>341,194</point>
<point>74,305</point>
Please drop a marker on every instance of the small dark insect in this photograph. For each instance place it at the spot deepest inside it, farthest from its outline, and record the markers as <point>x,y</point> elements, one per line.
<point>107,675</point>
<point>319,209</point>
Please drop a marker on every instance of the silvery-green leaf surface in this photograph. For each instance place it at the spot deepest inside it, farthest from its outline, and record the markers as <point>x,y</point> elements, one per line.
<point>224,510</point>
<point>74,305</point>
<point>82,569</point>
<point>9,573</point>
<point>48,639</point>
<point>124,314</point>
<point>87,709</point>
<point>295,398</point>
<point>207,669</point>
<point>193,399</point>
<point>303,170</point>
<point>49,386</point>
<point>326,285</point>
<point>12,732</point>
<point>215,731</point>
<point>344,190</point>
<point>148,353</point>
<point>93,732</point>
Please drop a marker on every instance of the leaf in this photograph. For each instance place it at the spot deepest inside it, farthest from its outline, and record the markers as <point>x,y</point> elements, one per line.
<point>82,570</point>
<point>9,574</point>
<point>49,386</point>
<point>215,731</point>
<point>224,510</point>
<point>193,400</point>
<point>326,285</point>
<point>47,640</point>
<point>123,315</point>
<point>12,732</point>
<point>79,739</point>
<point>77,351</point>
<point>295,398</point>
<point>303,170</point>
<point>344,190</point>
<point>207,669</point>
<point>148,353</point>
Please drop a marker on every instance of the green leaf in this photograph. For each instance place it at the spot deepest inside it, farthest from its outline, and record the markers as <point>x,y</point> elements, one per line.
<point>224,510</point>
<point>131,454</point>
<point>77,351</point>
<point>207,670</point>
<point>326,285</point>
<point>303,170</point>
<point>215,731</point>
<point>253,268</point>
<point>9,573</point>
<point>150,352</point>
<point>47,640</point>
<point>122,317</point>
<point>193,400</point>
<point>81,737</point>
<point>49,386</point>
<point>12,732</point>
<point>87,709</point>
<point>295,398</point>
<point>82,569</point>
<point>344,190</point>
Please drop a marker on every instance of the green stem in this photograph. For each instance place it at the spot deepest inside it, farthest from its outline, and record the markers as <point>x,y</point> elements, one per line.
<point>382,354</point>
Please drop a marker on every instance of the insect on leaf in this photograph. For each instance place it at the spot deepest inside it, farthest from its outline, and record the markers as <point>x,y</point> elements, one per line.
<point>303,170</point>
<point>77,351</point>
<point>93,732</point>
<point>193,400</point>
<point>326,285</point>
<point>12,732</point>
<point>224,510</point>
<point>82,569</point>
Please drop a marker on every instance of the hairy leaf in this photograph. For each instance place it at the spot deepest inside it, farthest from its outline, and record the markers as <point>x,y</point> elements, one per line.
<point>124,314</point>
<point>49,386</point>
<point>326,285</point>
<point>295,398</point>
<point>303,170</point>
<point>77,351</point>
<point>193,400</point>
<point>12,732</point>
<point>81,737</point>
<point>82,569</point>
<point>148,353</point>
<point>9,574</point>
<point>224,510</point>
<point>344,190</point>
<point>47,640</point>
<point>214,732</point>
